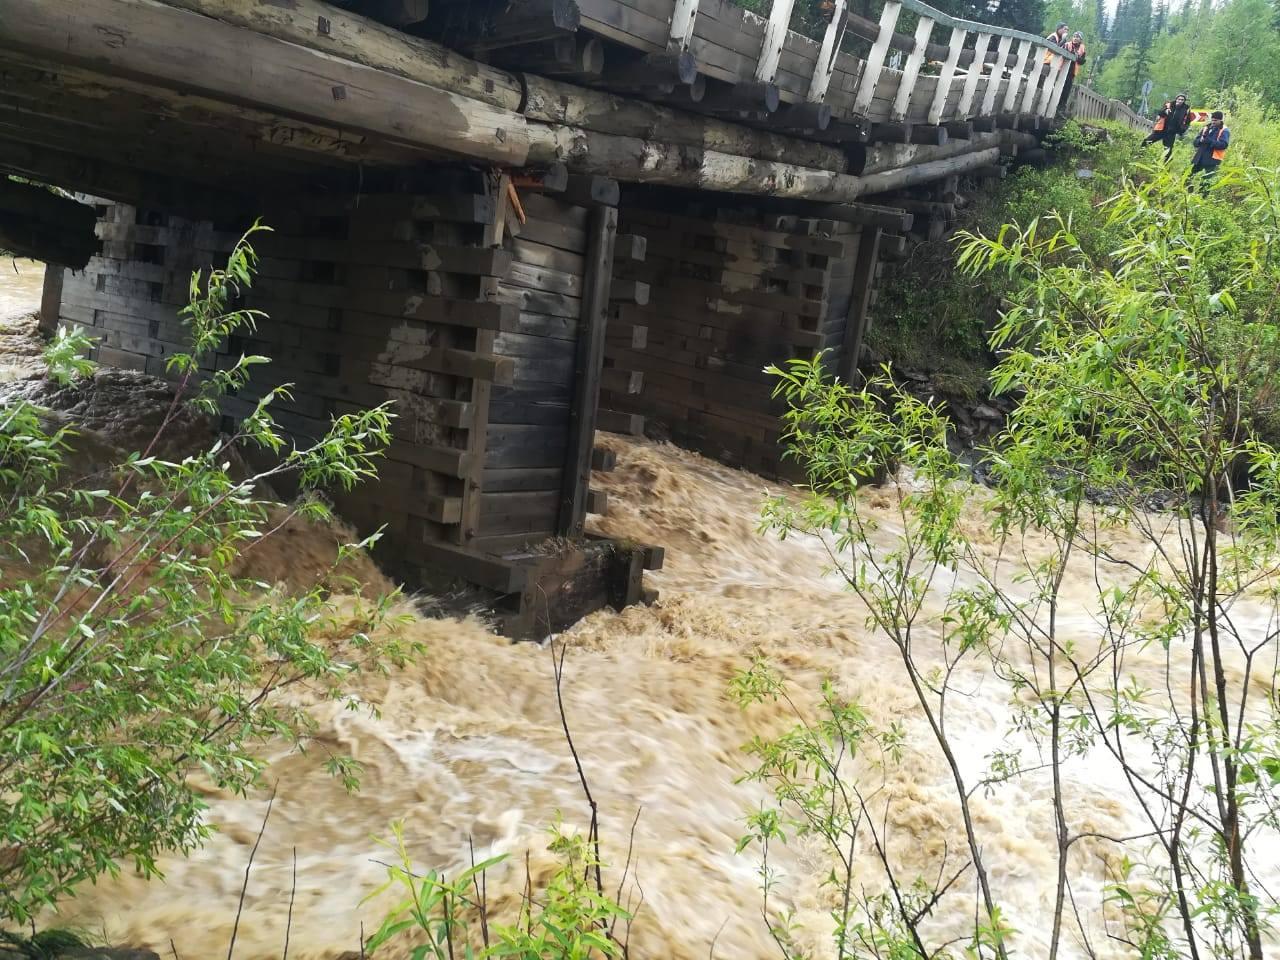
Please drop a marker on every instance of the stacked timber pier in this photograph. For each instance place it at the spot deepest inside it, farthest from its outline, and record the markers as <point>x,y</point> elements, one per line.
<point>520,220</point>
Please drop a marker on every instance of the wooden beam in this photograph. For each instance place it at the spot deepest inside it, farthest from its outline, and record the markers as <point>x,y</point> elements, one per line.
<point>157,43</point>
<point>856,320</point>
<point>51,298</point>
<point>588,364</point>
<point>40,225</point>
<point>361,40</point>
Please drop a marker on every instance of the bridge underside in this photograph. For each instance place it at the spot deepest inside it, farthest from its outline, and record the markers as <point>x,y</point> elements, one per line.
<point>452,236</point>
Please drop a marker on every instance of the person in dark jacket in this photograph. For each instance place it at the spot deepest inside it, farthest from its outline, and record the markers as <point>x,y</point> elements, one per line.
<point>1211,146</point>
<point>1171,123</point>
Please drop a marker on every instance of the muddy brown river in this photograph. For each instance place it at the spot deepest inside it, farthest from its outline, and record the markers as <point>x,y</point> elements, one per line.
<point>468,746</point>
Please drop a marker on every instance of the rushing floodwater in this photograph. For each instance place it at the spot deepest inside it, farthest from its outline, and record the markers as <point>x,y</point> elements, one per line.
<point>469,745</point>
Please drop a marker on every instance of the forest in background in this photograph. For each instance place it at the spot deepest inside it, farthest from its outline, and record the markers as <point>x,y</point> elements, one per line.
<point>1197,48</point>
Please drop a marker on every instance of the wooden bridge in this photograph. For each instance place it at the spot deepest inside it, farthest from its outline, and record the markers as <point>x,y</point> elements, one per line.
<point>521,220</point>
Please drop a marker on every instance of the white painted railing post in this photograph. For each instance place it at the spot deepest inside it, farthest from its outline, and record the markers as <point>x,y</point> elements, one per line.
<point>1034,81</point>
<point>996,75</point>
<point>1017,76</point>
<point>826,65</point>
<point>683,18</point>
<point>1060,81</point>
<point>875,59</point>
<point>902,101</point>
<point>973,76</point>
<point>948,74</point>
<point>775,35</point>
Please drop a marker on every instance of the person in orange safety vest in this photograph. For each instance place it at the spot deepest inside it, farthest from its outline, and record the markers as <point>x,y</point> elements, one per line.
<point>1211,146</point>
<point>1075,46</point>
<point>1173,120</point>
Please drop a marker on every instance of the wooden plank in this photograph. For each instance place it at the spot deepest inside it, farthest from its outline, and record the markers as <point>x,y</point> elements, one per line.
<point>994,79</point>
<point>470,565</point>
<point>856,319</point>
<point>911,70</point>
<point>512,481</point>
<point>587,369</point>
<point>970,89</point>
<point>683,18</point>
<point>1016,77</point>
<point>875,59</point>
<point>943,87</point>
<point>775,33</point>
<point>825,68</point>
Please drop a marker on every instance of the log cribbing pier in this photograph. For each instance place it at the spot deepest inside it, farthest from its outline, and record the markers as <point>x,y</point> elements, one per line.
<point>522,220</point>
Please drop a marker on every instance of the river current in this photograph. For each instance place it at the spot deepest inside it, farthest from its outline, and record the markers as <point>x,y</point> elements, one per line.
<point>467,748</point>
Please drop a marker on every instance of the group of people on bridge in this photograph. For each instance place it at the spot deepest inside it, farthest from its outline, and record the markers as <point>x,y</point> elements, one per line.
<point>1173,120</point>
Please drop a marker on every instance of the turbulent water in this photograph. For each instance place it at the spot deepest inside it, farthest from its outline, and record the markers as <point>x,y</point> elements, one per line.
<point>468,747</point>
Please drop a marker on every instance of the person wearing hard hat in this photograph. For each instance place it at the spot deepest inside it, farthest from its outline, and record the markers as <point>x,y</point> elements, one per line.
<point>1074,46</point>
<point>1211,146</point>
<point>1172,121</point>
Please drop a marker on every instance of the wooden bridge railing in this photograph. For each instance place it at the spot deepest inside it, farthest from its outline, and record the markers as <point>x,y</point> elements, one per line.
<point>1088,104</point>
<point>980,71</point>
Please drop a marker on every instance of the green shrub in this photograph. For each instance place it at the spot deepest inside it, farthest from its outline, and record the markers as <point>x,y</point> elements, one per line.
<point>131,650</point>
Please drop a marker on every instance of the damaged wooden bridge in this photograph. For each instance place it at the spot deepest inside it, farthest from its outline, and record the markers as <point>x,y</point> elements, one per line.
<point>524,221</point>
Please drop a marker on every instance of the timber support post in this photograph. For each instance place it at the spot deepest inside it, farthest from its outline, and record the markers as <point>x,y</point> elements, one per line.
<point>588,365</point>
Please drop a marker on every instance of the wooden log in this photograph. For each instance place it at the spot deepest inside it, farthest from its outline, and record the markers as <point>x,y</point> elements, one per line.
<point>806,116</point>
<point>875,158</point>
<point>616,422</point>
<point>186,52</point>
<point>757,96</point>
<point>550,179</point>
<point>925,172</point>
<point>358,39</point>
<point>41,225</point>
<point>959,129</point>
<point>888,216</point>
<point>652,70</point>
<point>396,13</point>
<point>927,136</point>
<point>889,133</point>
<point>603,460</point>
<point>591,189</point>
<point>893,246</point>
<point>630,246</point>
<point>521,23</point>
<point>570,55</point>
